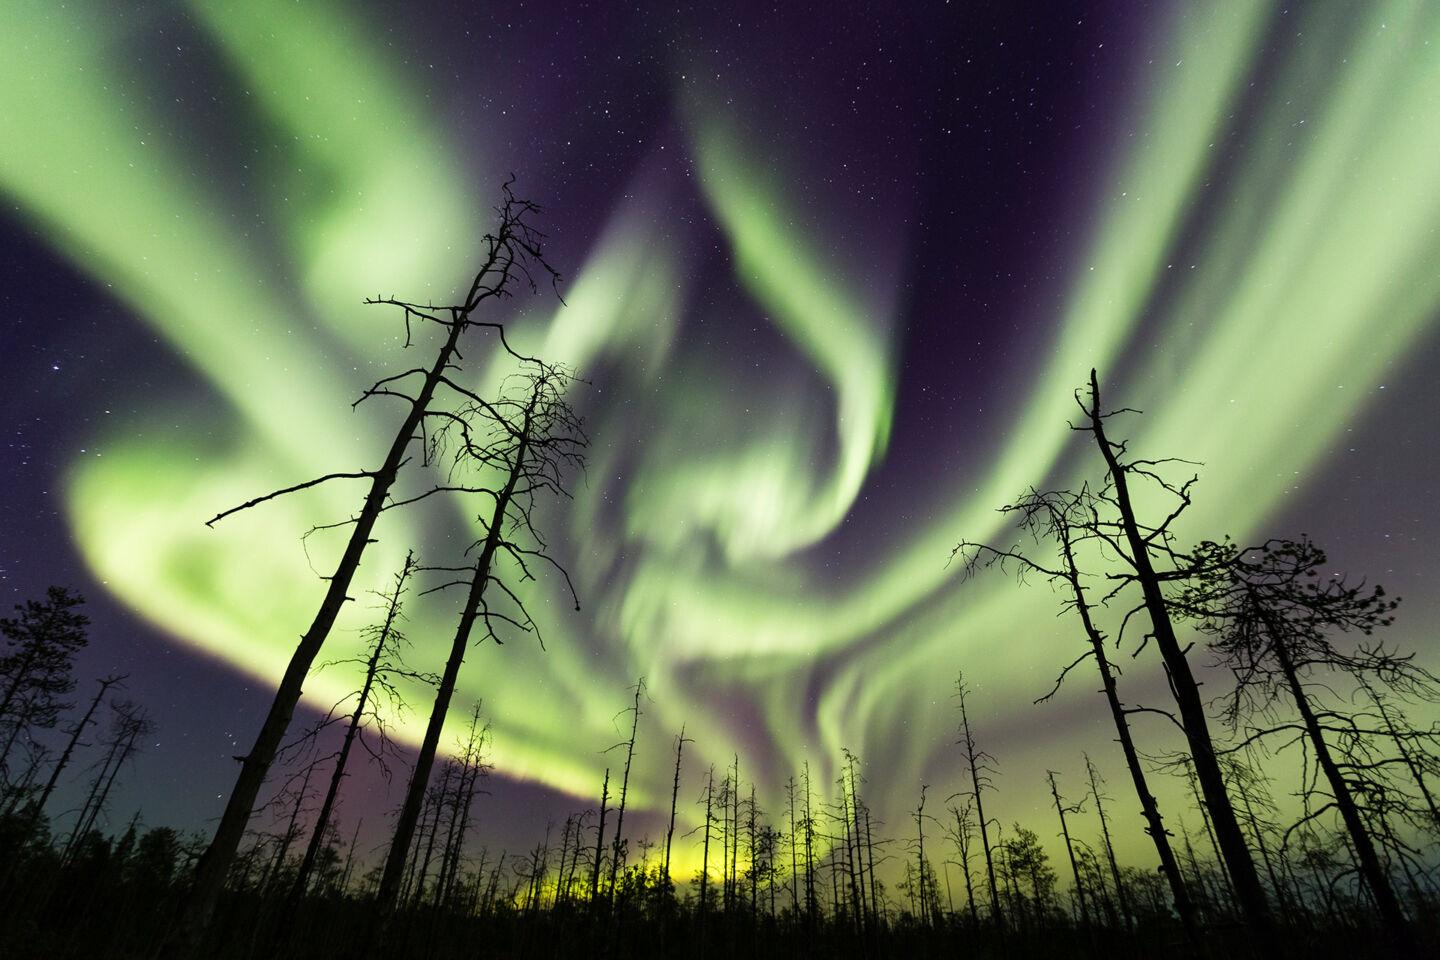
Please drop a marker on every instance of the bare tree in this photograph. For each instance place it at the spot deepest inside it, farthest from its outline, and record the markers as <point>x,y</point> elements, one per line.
<point>511,253</point>
<point>1061,809</point>
<point>600,844</point>
<point>74,740</point>
<point>980,766</point>
<point>128,724</point>
<point>472,767</point>
<point>379,665</point>
<point>1121,897</point>
<point>1072,521</point>
<point>680,742</point>
<point>617,850</point>
<point>1138,545</point>
<point>528,438</point>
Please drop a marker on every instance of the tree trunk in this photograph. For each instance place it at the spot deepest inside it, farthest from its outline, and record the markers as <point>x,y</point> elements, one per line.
<point>1070,849</point>
<point>214,865</point>
<point>1397,927</point>
<point>410,812</point>
<point>1149,808</point>
<point>1228,835</point>
<point>674,797</point>
<point>74,739</point>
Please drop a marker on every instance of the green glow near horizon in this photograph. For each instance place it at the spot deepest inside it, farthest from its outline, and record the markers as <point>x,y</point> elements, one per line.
<point>697,540</point>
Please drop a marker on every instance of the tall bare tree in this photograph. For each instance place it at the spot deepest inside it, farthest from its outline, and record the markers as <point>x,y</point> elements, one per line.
<point>1138,545</point>
<point>617,850</point>
<point>980,767</point>
<point>378,666</point>
<point>74,740</point>
<point>680,742</point>
<point>511,253</point>
<point>1071,520</point>
<point>525,442</point>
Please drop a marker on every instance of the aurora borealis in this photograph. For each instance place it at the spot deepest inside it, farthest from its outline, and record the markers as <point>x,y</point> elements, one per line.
<point>831,282</point>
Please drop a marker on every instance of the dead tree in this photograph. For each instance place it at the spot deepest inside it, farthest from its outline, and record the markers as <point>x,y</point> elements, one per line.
<point>929,910</point>
<point>472,766</point>
<point>1271,614</point>
<point>680,742</point>
<point>528,439</point>
<point>511,253</point>
<point>1061,809</point>
<point>378,666</point>
<point>291,831</point>
<point>1138,545</point>
<point>74,740</point>
<point>794,851</point>
<point>964,836</point>
<point>705,849</point>
<point>979,763</point>
<point>1071,520</point>
<point>617,851</point>
<point>1121,897</point>
<point>600,842</point>
<point>128,725</point>
<point>856,847</point>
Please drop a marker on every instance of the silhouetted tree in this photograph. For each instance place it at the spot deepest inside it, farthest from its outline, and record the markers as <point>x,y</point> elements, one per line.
<point>40,647</point>
<point>74,740</point>
<point>471,767</point>
<point>1138,545</point>
<point>379,665</point>
<point>526,440</point>
<point>129,723</point>
<point>680,742</point>
<point>1271,615</point>
<point>963,837</point>
<point>600,842</point>
<point>1026,862</point>
<point>1121,898</point>
<point>1061,809</point>
<point>616,852</point>
<point>979,764</point>
<point>1072,521</point>
<point>511,252</point>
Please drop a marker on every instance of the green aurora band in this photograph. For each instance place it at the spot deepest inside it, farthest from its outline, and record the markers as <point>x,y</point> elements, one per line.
<point>693,542</point>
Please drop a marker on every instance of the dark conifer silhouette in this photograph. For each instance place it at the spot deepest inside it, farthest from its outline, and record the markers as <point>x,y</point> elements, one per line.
<point>35,667</point>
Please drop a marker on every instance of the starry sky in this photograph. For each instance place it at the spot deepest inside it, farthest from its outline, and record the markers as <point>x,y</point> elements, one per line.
<point>831,277</point>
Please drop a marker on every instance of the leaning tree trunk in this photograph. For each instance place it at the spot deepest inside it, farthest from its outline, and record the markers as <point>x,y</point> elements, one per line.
<point>1150,810</point>
<point>1228,834</point>
<point>214,865</point>
<point>1397,927</point>
<point>420,776</point>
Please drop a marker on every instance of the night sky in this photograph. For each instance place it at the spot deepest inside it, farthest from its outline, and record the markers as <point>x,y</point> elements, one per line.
<point>832,275</point>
